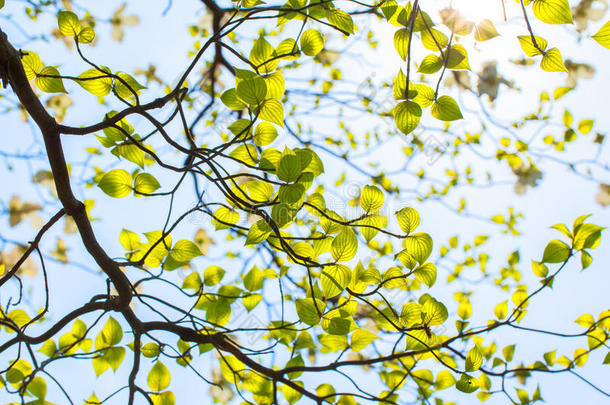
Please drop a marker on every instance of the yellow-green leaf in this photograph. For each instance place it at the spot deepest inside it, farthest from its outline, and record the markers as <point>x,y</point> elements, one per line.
<point>446,109</point>
<point>553,11</point>
<point>68,23</point>
<point>406,116</point>
<point>144,184</point>
<point>552,61</point>
<point>312,42</point>
<point>273,111</point>
<point>485,30</point>
<point>159,377</point>
<point>48,80</point>
<point>116,183</point>
<point>603,35</point>
<point>371,199</point>
<point>527,44</point>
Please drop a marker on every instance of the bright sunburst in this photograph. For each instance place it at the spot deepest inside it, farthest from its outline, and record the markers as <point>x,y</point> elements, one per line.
<point>477,10</point>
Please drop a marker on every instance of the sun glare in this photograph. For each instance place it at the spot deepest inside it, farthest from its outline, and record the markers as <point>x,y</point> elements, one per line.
<point>478,10</point>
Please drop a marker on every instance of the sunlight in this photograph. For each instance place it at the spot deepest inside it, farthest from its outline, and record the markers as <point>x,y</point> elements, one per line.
<point>477,10</point>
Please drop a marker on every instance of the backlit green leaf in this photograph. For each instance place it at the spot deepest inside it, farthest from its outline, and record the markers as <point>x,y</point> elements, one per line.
<point>68,23</point>
<point>158,378</point>
<point>556,252</point>
<point>446,109</point>
<point>406,116</point>
<point>48,80</point>
<point>553,11</point>
<point>552,61</point>
<point>116,183</point>
<point>312,42</point>
<point>603,35</point>
<point>144,184</point>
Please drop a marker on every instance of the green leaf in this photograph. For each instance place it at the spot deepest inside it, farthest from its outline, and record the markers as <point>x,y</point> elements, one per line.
<point>369,226</point>
<point>434,312</point>
<point>425,95</point>
<point>18,316</point>
<point>400,87</point>
<point>556,252</point>
<point>258,233</point>
<point>127,87</point>
<point>419,246</point>
<point>264,134</point>
<point>467,384</point>
<point>185,250</point>
<point>288,49</point>
<point>552,61</point>
<point>344,246</point>
<point>361,338</point>
<point>430,64</point>
<point>508,352</point>
<point>86,35</point>
<point>273,111</point>
<point>289,168</point>
<point>159,377</point>
<point>334,279</point>
<point>224,218</point>
<point>312,42</point>
<point>426,273</point>
<point>408,219</point>
<point>252,90</point>
<point>68,22</point>
<point>232,368</point>
<point>444,379</point>
<point>32,64</point>
<point>434,40</point>
<point>51,84</point>
<point>150,350</point>
<point>291,394</point>
<point>254,279</point>
<point>485,30</point>
<point>371,199</point>
<point>116,183</point>
<point>275,85</point>
<point>213,275</point>
<point>259,190</point>
<point>585,126</point>
<point>96,82</point>
<point>446,109</point>
<point>527,44</point>
<point>231,100</point>
<point>456,58</point>
<point>585,259</point>
<point>539,269</point>
<point>246,154</point>
<point>341,20</point>
<point>401,42</point>
<point>49,348</point>
<point>262,56</point>
<point>474,359</point>
<point>38,388</point>
<point>251,301</point>
<point>110,335</point>
<point>553,11</point>
<point>587,236</point>
<point>603,35</point>
<point>406,116</point>
<point>306,310</point>
<point>145,184</point>
<point>164,398</point>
